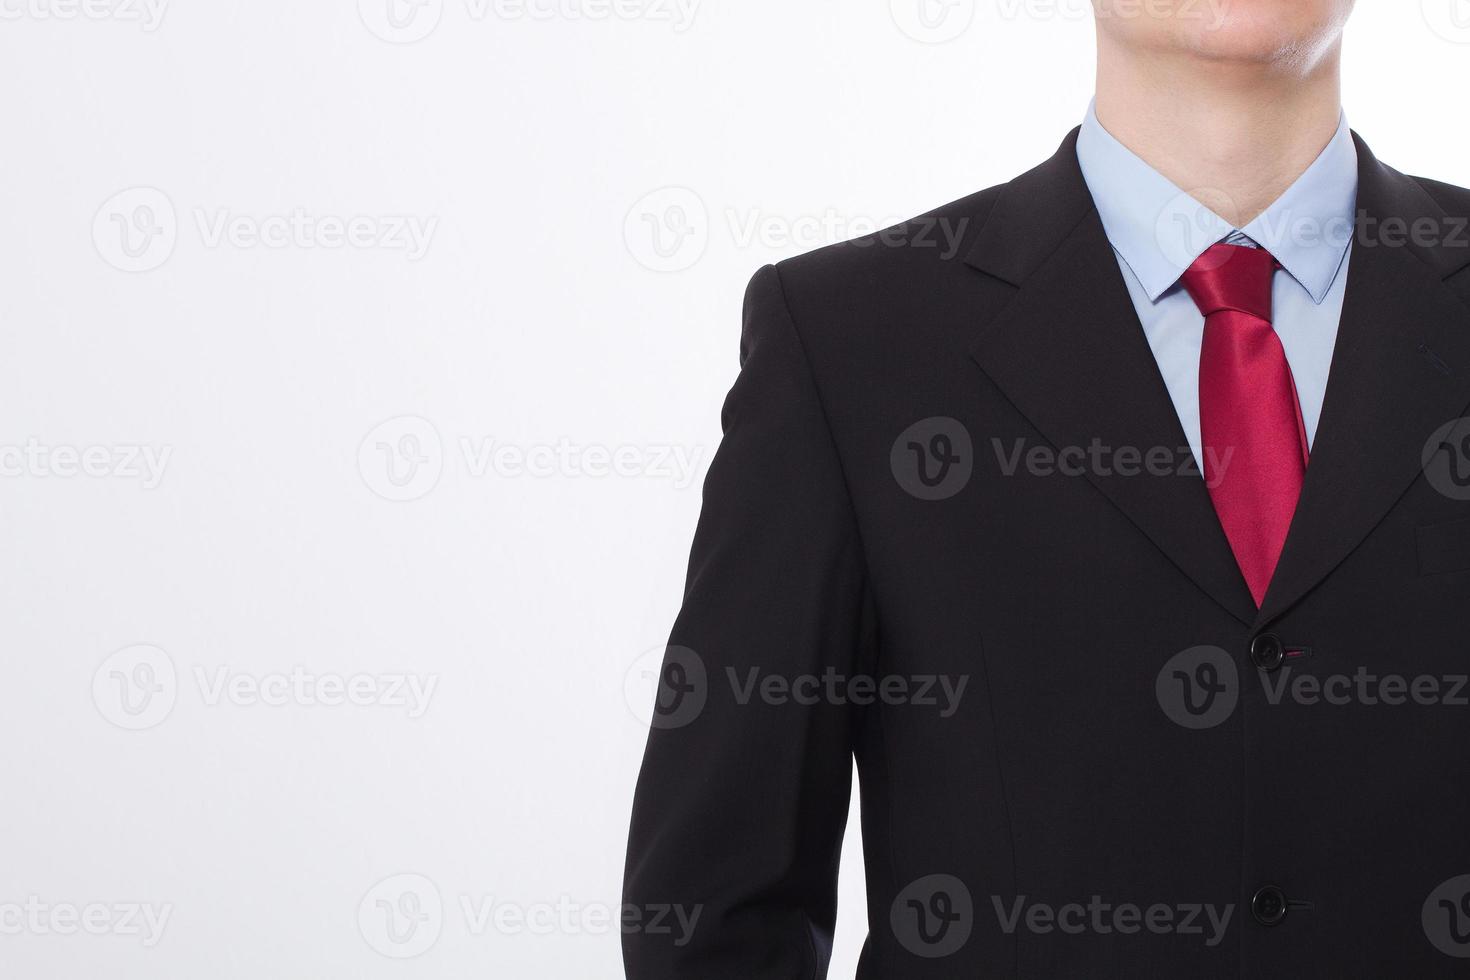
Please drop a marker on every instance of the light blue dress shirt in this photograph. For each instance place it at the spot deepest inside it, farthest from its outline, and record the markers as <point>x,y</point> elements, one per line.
<point>1158,230</point>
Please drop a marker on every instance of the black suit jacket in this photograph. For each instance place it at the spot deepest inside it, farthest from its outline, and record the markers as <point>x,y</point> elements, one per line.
<point>961,466</point>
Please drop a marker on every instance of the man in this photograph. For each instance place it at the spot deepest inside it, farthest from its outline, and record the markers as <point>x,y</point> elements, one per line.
<point>1128,552</point>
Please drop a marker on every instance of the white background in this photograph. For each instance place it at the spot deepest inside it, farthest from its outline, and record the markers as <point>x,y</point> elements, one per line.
<point>533,331</point>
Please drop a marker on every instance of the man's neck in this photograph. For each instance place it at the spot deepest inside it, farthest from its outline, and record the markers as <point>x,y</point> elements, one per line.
<point>1235,136</point>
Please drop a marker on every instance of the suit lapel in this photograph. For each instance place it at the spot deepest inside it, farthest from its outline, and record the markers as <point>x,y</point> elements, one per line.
<point>1400,370</point>
<point>1070,354</point>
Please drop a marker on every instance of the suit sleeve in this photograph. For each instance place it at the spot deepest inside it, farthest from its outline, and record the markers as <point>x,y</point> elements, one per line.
<point>742,800</point>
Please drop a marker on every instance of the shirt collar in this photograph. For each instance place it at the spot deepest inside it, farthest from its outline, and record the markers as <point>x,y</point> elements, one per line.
<point>1159,230</point>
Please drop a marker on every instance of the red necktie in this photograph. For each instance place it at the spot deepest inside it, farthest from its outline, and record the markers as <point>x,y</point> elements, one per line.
<point>1255,443</point>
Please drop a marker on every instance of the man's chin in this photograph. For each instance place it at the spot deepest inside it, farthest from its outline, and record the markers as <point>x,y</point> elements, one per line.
<point>1248,32</point>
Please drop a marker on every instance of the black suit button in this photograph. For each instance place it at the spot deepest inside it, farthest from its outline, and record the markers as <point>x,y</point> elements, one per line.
<point>1267,653</point>
<point>1268,906</point>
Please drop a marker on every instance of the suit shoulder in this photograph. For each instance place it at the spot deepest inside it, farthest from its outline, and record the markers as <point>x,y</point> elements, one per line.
<point>862,307</point>
<point>1455,200</point>
<point>856,294</point>
<point>939,235</point>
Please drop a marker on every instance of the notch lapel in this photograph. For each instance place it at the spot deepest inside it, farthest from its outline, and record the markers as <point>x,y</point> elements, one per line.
<point>1400,370</point>
<point>1071,355</point>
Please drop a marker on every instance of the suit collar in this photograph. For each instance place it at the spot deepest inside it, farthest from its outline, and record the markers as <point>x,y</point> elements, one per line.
<point>1069,353</point>
<point>1031,216</point>
<point>1400,370</point>
<point>1071,356</point>
<point>1389,206</point>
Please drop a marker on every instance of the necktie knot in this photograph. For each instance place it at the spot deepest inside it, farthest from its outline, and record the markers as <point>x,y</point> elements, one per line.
<point>1232,277</point>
